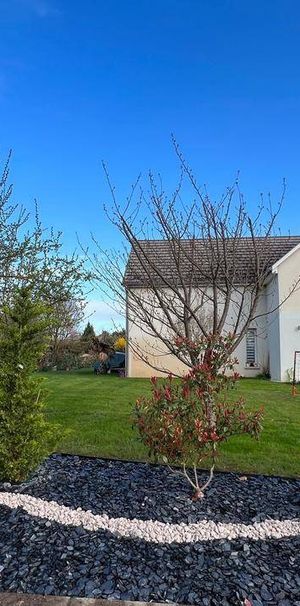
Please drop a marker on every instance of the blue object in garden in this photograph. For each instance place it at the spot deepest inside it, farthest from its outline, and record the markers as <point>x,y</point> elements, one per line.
<point>97,367</point>
<point>116,361</point>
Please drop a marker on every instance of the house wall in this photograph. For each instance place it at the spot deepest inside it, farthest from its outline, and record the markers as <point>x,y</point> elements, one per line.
<point>273,328</point>
<point>288,272</point>
<point>139,340</point>
<point>159,357</point>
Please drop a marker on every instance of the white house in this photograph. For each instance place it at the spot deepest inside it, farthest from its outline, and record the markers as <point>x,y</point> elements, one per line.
<point>272,337</point>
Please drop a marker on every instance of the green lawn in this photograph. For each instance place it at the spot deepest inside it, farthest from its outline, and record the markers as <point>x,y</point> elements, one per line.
<point>95,411</point>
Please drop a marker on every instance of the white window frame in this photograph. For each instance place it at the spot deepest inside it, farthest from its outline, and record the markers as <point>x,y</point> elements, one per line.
<point>251,348</point>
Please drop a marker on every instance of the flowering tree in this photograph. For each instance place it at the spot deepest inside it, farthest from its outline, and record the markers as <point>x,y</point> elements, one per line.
<point>120,344</point>
<point>32,256</point>
<point>184,421</point>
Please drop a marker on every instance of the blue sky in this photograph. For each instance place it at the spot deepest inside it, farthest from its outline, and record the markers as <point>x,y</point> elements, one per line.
<point>85,81</point>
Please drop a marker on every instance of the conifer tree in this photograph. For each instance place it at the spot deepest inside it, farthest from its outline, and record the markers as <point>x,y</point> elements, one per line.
<point>25,436</point>
<point>88,335</point>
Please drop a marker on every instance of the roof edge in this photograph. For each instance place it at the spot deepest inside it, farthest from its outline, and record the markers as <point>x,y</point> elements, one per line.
<point>286,256</point>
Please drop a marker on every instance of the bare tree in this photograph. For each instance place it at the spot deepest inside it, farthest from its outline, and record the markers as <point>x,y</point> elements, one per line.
<point>190,266</point>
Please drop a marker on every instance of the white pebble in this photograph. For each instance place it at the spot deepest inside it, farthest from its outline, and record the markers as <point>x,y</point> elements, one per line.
<point>150,530</point>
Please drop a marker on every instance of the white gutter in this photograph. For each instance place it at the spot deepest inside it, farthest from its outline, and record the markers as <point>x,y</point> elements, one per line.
<point>289,254</point>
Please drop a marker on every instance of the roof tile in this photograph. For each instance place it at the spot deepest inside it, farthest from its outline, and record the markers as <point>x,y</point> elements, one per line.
<point>161,262</point>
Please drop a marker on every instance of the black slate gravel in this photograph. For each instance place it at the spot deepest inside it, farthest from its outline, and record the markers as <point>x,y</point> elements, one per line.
<point>44,557</point>
<point>145,491</point>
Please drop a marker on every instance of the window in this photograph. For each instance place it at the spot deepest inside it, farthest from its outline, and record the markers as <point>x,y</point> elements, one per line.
<point>251,347</point>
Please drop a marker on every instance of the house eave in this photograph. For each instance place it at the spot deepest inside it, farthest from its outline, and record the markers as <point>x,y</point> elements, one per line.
<point>284,258</point>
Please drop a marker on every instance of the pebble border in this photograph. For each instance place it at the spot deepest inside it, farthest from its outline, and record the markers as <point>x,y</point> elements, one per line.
<point>149,530</point>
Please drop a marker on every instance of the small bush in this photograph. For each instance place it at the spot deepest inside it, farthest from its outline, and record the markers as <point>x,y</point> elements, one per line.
<point>184,421</point>
<point>25,436</point>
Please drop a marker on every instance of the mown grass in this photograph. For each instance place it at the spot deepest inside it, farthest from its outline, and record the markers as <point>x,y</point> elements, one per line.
<point>95,413</point>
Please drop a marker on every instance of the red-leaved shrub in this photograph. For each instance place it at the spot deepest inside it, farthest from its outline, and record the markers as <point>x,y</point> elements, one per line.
<point>184,420</point>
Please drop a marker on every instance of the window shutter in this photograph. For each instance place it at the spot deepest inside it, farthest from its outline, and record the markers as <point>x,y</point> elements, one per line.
<point>251,346</point>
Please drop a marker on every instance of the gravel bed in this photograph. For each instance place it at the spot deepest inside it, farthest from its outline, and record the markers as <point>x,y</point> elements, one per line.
<point>149,492</point>
<point>42,556</point>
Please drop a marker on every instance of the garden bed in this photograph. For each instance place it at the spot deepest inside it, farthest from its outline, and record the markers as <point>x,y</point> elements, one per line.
<point>138,535</point>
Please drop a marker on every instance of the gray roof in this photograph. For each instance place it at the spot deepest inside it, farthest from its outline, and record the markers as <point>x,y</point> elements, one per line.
<point>193,260</point>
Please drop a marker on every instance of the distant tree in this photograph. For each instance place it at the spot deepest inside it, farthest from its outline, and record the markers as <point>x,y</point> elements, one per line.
<point>88,333</point>
<point>64,333</point>
<point>111,337</point>
<point>106,337</point>
<point>25,436</point>
<point>119,333</point>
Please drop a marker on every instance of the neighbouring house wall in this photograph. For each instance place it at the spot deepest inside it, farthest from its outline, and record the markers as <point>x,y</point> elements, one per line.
<point>159,357</point>
<point>289,312</point>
